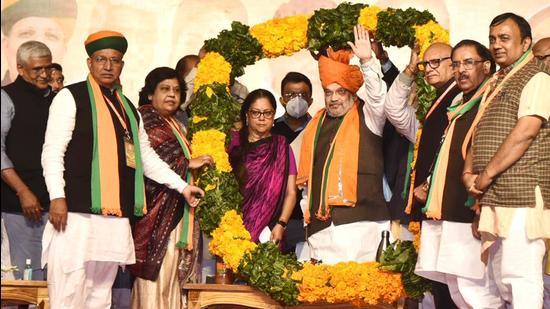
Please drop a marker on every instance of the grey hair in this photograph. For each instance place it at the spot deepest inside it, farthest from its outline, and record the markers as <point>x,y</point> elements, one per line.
<point>32,49</point>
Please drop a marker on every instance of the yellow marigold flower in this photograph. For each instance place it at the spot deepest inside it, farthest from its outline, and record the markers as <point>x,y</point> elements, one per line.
<point>282,36</point>
<point>231,241</point>
<point>209,92</point>
<point>211,142</point>
<point>350,282</point>
<point>210,187</point>
<point>197,119</point>
<point>212,68</point>
<point>414,227</point>
<point>369,17</point>
<point>430,33</point>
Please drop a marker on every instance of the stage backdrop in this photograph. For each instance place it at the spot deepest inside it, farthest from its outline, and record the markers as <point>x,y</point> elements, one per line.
<point>162,31</point>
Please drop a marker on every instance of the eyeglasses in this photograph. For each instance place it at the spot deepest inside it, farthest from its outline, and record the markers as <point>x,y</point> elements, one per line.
<point>256,114</point>
<point>434,63</point>
<point>39,70</point>
<point>292,95</point>
<point>467,63</point>
<point>542,57</point>
<point>103,60</point>
<point>340,91</point>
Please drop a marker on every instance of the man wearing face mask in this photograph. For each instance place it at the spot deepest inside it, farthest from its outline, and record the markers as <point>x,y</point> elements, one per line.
<point>296,98</point>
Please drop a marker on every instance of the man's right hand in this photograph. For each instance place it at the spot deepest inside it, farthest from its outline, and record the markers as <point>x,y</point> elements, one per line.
<point>412,68</point>
<point>193,195</point>
<point>58,214</point>
<point>30,205</point>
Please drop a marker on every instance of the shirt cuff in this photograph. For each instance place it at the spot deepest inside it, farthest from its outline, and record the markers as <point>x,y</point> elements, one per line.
<point>406,79</point>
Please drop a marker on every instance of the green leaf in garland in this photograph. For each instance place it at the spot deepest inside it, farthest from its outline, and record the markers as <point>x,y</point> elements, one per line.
<point>395,26</point>
<point>214,103</point>
<point>225,196</point>
<point>425,94</point>
<point>270,271</point>
<point>333,27</point>
<point>237,46</point>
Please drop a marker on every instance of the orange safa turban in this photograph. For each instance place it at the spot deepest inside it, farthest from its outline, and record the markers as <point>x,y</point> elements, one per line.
<point>336,69</point>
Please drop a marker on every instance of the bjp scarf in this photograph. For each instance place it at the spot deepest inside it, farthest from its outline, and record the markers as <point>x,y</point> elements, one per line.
<point>106,158</point>
<point>339,178</point>
<point>435,201</point>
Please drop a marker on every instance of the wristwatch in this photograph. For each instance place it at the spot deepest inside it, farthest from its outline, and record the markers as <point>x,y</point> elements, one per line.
<point>282,223</point>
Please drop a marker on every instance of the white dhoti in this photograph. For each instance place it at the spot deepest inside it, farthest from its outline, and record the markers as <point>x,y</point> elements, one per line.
<point>356,242</point>
<point>450,254</point>
<point>83,260</point>
<point>515,265</point>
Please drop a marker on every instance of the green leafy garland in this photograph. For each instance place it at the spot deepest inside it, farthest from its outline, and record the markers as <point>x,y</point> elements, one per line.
<point>395,26</point>
<point>267,269</point>
<point>425,94</point>
<point>333,27</point>
<point>237,46</point>
<point>217,110</point>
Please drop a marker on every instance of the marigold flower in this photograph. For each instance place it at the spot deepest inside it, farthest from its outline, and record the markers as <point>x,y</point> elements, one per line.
<point>211,142</point>
<point>430,33</point>
<point>369,17</point>
<point>212,68</point>
<point>282,36</point>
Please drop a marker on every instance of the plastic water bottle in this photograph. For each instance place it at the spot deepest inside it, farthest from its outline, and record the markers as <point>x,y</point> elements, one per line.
<point>27,272</point>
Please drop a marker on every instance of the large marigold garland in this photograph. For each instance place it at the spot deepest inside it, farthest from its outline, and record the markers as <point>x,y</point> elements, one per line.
<point>214,111</point>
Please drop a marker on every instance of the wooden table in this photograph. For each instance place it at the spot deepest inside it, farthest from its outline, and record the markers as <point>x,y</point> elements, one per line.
<point>22,292</point>
<point>203,295</point>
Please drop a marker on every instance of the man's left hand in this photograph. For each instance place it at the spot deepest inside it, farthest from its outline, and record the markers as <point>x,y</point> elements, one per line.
<point>483,181</point>
<point>362,47</point>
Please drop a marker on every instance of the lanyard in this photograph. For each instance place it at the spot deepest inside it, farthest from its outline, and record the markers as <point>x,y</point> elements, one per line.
<point>121,119</point>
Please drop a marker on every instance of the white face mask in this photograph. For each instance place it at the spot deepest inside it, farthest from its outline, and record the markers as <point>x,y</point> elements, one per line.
<point>297,107</point>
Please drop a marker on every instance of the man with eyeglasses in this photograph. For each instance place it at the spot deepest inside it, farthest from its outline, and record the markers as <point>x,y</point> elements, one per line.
<point>25,201</point>
<point>341,162</point>
<point>509,163</point>
<point>296,98</point>
<point>95,155</point>
<point>437,70</point>
<point>446,239</point>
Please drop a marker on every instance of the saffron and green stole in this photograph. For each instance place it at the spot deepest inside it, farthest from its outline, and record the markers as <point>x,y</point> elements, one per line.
<point>105,158</point>
<point>435,194</point>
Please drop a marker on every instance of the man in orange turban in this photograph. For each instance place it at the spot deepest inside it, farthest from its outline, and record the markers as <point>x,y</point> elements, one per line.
<point>345,210</point>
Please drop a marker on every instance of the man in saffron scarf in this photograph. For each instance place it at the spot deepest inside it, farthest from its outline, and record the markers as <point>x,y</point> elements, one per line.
<point>426,133</point>
<point>510,163</point>
<point>446,240</point>
<point>341,162</point>
<point>94,157</point>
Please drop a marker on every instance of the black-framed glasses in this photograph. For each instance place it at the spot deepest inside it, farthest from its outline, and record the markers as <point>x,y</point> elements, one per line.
<point>292,95</point>
<point>39,70</point>
<point>103,60</point>
<point>256,114</point>
<point>542,57</point>
<point>433,63</point>
<point>467,63</point>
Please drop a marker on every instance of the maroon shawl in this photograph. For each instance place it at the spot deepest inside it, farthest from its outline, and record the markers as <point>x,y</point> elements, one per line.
<point>164,205</point>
